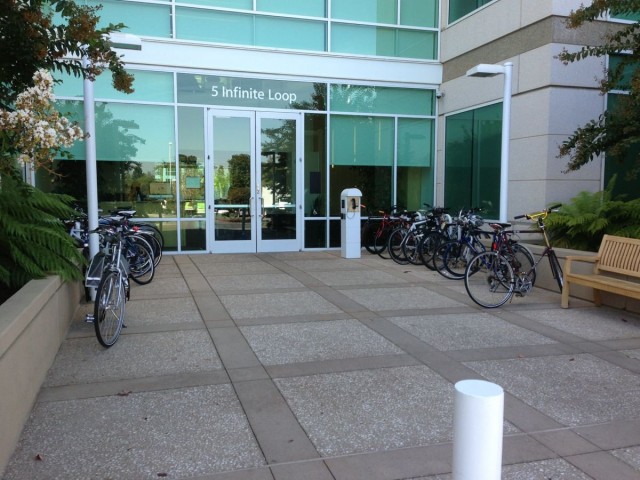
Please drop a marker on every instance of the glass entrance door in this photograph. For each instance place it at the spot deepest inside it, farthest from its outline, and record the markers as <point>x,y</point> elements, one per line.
<point>253,164</point>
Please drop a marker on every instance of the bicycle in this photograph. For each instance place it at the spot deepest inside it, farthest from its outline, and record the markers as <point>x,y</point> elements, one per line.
<point>492,278</point>
<point>109,272</point>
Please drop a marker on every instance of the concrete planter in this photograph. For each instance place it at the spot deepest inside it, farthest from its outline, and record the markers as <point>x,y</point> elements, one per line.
<point>33,324</point>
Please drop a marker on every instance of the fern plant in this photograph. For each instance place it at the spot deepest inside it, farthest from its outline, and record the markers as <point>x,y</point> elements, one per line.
<point>581,223</point>
<point>33,239</point>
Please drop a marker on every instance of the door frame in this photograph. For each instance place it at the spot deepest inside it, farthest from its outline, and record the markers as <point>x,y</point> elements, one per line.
<point>256,244</point>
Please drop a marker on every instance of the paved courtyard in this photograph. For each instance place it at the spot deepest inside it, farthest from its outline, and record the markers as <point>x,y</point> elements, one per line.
<point>309,366</point>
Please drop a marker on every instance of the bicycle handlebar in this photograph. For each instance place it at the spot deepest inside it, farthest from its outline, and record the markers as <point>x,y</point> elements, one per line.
<point>545,212</point>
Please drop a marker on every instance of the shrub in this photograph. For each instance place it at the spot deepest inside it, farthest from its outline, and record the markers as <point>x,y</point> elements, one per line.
<point>581,223</point>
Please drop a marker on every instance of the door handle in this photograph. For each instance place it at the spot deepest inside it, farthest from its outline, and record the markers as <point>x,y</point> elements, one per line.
<point>251,206</point>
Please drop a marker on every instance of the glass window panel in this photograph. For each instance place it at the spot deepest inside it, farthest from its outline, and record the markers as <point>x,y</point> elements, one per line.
<point>290,33</point>
<point>357,141</point>
<point>196,24</point>
<point>417,44</point>
<point>419,13</point>
<point>415,187</point>
<point>375,183</point>
<point>402,101</point>
<point>309,8</point>
<point>237,4</point>
<point>149,87</point>
<point>363,40</point>
<point>315,165</point>
<point>632,16</point>
<point>193,235</point>
<point>415,142</point>
<point>191,161</point>
<point>615,61</point>
<point>315,233</point>
<point>460,8</point>
<point>472,159</point>
<point>624,168</point>
<point>374,11</point>
<point>140,18</point>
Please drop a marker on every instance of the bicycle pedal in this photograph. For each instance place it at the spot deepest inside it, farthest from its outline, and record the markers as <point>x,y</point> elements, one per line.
<point>89,318</point>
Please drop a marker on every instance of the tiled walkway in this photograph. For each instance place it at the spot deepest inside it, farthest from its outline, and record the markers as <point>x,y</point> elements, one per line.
<point>307,366</point>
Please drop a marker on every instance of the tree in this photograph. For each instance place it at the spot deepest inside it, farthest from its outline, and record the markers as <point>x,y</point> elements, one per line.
<point>616,132</point>
<point>33,240</point>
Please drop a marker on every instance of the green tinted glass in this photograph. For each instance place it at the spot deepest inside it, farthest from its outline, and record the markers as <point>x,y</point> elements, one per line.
<point>402,101</point>
<point>309,8</point>
<point>289,33</point>
<point>238,4</point>
<point>149,87</point>
<point>362,40</point>
<point>415,142</point>
<point>616,62</point>
<point>196,24</point>
<point>472,159</point>
<point>419,13</point>
<point>140,18</point>
<point>374,11</point>
<point>417,44</point>
<point>361,140</point>
<point>632,16</point>
<point>460,8</point>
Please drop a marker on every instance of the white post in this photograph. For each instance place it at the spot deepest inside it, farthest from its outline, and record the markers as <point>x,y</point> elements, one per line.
<point>506,133</point>
<point>477,430</point>
<point>91,163</point>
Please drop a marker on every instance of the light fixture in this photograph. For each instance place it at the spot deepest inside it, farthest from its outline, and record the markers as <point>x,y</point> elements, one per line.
<point>490,70</point>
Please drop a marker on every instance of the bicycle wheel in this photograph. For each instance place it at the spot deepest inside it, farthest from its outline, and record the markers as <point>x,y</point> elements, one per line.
<point>427,248</point>
<point>139,254</point>
<point>489,279</point>
<point>154,243</point>
<point>411,246</point>
<point>381,242</point>
<point>369,235</point>
<point>109,308</point>
<point>152,229</point>
<point>556,269</point>
<point>448,252</point>
<point>394,245</point>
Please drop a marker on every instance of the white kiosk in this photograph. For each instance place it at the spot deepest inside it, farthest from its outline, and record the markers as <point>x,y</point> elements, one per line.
<point>350,223</point>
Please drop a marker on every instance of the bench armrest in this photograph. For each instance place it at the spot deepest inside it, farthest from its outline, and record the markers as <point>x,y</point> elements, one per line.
<point>578,258</point>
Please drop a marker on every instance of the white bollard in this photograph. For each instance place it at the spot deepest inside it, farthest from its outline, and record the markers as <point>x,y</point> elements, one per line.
<point>477,430</point>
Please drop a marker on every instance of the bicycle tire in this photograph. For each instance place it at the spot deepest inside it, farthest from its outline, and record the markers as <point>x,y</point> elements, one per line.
<point>394,245</point>
<point>155,245</point>
<point>556,269</point>
<point>369,236</point>
<point>109,308</point>
<point>427,248</point>
<point>140,256</point>
<point>381,243</point>
<point>448,252</point>
<point>410,248</point>
<point>155,231</point>
<point>489,279</point>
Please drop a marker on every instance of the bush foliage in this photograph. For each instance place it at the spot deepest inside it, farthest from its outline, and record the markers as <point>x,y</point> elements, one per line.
<point>581,223</point>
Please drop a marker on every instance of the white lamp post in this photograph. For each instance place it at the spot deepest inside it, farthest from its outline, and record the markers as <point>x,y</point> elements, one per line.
<point>117,40</point>
<point>488,70</point>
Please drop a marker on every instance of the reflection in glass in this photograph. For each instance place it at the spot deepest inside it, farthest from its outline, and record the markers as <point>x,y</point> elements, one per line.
<point>193,235</point>
<point>278,179</point>
<point>232,177</point>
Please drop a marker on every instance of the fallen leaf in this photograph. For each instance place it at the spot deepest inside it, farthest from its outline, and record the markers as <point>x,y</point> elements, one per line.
<point>124,393</point>
<point>39,457</point>
<point>162,474</point>
<point>572,359</point>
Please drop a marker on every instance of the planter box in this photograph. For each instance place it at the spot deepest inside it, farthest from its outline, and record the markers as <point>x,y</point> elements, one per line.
<point>545,280</point>
<point>33,324</point>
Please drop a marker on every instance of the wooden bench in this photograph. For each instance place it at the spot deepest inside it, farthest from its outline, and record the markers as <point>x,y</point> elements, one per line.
<point>616,269</point>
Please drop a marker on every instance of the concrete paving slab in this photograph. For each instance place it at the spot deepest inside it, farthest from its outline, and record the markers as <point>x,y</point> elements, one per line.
<point>83,360</point>
<point>160,311</point>
<point>307,342</point>
<point>573,389</point>
<point>356,278</point>
<point>371,410</point>
<point>165,287</point>
<point>332,264</point>
<point>590,323</point>
<point>222,284</point>
<point>398,298</point>
<point>467,331</point>
<point>629,455</point>
<point>236,268</point>
<point>276,304</point>
<point>174,433</point>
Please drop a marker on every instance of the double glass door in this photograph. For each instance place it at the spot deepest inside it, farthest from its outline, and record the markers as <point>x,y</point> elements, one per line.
<point>254,175</point>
